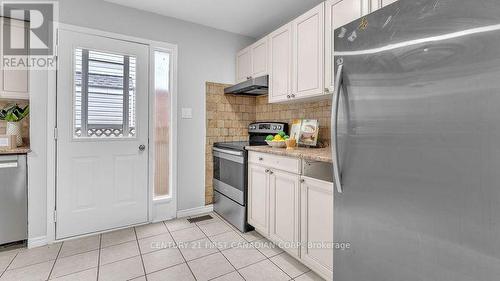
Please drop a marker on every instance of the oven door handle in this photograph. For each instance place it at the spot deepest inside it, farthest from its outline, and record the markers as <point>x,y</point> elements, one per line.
<point>232,152</point>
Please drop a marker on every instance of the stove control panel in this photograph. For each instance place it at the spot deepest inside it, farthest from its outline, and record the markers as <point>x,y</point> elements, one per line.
<point>267,128</point>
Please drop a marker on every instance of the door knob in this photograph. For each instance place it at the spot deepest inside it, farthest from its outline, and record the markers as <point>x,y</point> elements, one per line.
<point>142,147</point>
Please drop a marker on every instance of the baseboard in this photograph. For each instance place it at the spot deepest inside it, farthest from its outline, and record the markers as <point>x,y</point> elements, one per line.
<point>195,211</point>
<point>37,242</point>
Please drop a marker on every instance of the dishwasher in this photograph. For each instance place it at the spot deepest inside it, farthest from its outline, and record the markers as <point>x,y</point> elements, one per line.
<point>13,199</point>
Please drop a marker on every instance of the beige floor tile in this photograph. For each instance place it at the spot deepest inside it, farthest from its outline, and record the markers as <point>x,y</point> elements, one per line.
<point>152,229</point>
<point>119,252</point>
<point>264,270</point>
<point>162,259</point>
<point>210,267</point>
<point>122,270</point>
<point>228,240</point>
<point>81,245</point>
<point>156,243</point>
<point>179,272</point>
<point>233,276</point>
<point>6,258</point>
<point>289,265</point>
<point>86,275</point>
<point>187,235</point>
<point>178,224</point>
<point>215,228</point>
<point>266,247</point>
<point>118,237</point>
<point>37,272</point>
<point>243,256</point>
<point>251,236</point>
<point>75,263</point>
<point>197,249</point>
<point>310,276</point>
<point>36,255</point>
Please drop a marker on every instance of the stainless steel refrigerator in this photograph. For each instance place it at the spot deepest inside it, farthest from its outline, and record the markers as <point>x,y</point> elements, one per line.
<point>416,128</point>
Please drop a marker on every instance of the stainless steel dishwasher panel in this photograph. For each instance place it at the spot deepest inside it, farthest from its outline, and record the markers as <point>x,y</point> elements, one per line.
<point>13,199</point>
<point>317,170</point>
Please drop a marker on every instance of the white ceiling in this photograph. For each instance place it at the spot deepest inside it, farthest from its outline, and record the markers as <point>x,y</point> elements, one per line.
<point>253,18</point>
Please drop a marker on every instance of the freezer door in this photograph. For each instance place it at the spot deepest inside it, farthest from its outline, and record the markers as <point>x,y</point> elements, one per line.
<point>13,199</point>
<point>420,160</point>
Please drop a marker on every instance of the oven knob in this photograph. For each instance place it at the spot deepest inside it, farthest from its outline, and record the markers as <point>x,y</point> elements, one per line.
<point>279,127</point>
<point>274,127</point>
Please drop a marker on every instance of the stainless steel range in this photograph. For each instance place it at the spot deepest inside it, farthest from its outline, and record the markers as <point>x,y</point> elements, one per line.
<point>230,173</point>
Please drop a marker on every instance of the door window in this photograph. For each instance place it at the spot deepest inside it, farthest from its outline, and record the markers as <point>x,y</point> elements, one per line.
<point>104,95</point>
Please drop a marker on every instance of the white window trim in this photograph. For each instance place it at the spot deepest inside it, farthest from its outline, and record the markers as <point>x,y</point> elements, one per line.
<point>51,124</point>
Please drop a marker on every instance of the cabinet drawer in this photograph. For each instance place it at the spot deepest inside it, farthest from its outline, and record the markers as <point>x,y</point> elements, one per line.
<point>291,165</point>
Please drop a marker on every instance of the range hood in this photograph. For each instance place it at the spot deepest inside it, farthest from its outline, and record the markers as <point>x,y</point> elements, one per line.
<point>252,87</point>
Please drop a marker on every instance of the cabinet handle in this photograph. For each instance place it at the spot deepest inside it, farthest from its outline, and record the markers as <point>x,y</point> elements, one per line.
<point>293,95</point>
<point>271,172</point>
<point>287,96</point>
<point>267,171</point>
<point>261,159</point>
<point>327,90</point>
<point>302,180</point>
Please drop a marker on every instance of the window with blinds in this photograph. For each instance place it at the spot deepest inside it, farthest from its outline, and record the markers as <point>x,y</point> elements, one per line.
<point>105,86</point>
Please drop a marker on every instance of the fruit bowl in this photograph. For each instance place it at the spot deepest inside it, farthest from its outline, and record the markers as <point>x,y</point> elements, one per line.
<point>278,144</point>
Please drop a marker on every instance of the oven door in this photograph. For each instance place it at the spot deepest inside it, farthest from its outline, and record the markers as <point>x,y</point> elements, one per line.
<point>230,173</point>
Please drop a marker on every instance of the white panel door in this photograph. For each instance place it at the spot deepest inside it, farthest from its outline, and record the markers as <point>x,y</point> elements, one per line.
<point>284,209</point>
<point>259,58</point>
<point>258,198</point>
<point>317,225</point>
<point>280,64</point>
<point>308,53</point>
<point>102,119</point>
<point>243,65</point>
<point>338,13</point>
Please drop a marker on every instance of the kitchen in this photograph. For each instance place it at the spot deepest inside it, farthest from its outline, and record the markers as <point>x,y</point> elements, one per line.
<point>329,140</point>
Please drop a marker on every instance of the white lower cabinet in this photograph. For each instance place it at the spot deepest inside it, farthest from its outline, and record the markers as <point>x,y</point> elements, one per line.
<point>284,210</point>
<point>258,198</point>
<point>292,210</point>
<point>316,225</point>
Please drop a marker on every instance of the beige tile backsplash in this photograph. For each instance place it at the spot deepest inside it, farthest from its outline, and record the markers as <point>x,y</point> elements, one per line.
<point>26,123</point>
<point>228,116</point>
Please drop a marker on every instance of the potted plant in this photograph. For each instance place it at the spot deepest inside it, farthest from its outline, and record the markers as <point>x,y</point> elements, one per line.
<point>13,115</point>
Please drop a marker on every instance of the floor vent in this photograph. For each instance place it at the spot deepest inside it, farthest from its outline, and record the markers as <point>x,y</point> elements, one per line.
<point>198,219</point>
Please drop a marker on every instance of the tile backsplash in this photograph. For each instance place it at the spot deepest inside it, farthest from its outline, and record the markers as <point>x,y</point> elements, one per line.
<point>228,117</point>
<point>26,123</point>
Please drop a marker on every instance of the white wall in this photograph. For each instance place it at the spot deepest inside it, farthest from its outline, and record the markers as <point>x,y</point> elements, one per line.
<point>205,54</point>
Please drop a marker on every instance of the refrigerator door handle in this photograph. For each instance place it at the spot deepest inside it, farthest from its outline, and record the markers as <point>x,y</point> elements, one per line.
<point>335,114</point>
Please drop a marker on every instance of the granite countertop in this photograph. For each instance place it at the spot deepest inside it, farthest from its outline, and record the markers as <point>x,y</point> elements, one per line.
<point>18,150</point>
<point>314,154</point>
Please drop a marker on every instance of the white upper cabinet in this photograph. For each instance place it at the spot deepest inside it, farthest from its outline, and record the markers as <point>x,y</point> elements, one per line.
<point>14,83</point>
<point>252,61</point>
<point>243,65</point>
<point>308,53</point>
<point>378,4</point>
<point>337,14</point>
<point>259,58</point>
<point>280,64</point>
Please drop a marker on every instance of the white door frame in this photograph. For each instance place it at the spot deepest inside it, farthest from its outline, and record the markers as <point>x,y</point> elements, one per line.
<point>51,124</point>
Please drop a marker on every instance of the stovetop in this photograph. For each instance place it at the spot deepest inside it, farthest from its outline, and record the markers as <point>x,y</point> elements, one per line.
<point>234,145</point>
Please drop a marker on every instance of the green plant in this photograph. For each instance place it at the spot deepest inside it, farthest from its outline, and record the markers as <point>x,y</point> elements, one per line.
<point>14,113</point>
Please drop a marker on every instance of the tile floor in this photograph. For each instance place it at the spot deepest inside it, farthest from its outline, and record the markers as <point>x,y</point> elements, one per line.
<point>172,250</point>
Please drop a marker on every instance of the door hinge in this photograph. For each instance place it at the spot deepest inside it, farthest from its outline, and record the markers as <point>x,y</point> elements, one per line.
<point>55,216</point>
<point>55,133</point>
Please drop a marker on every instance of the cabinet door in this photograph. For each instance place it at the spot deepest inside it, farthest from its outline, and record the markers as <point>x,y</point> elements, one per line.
<point>280,64</point>
<point>317,225</point>
<point>338,13</point>
<point>243,65</point>
<point>258,198</point>
<point>13,82</point>
<point>387,2</point>
<point>259,58</point>
<point>308,53</point>
<point>284,210</point>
